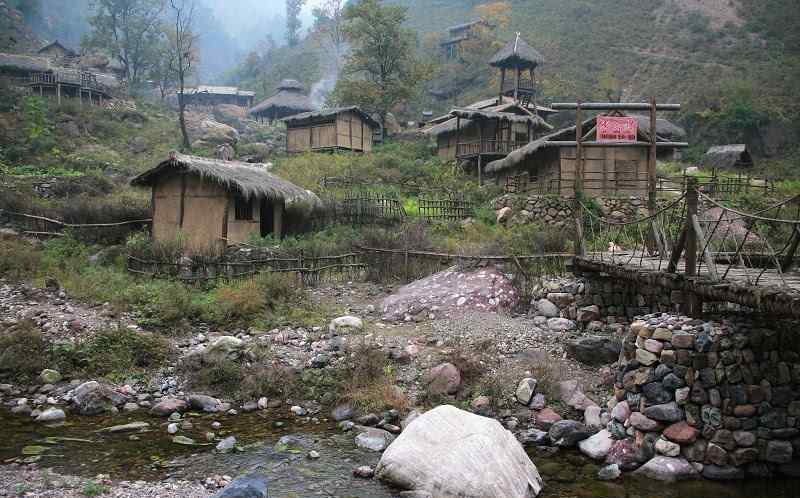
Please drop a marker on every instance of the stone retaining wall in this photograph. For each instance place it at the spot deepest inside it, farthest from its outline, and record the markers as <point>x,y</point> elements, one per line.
<point>557,211</point>
<point>723,395</point>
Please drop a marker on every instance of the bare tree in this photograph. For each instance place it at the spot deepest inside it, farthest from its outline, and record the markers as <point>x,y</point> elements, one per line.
<point>184,56</point>
<point>329,25</point>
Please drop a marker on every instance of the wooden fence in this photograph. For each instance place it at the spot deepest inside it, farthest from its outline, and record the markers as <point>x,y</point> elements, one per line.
<point>310,271</point>
<point>719,186</point>
<point>41,226</point>
<point>451,208</point>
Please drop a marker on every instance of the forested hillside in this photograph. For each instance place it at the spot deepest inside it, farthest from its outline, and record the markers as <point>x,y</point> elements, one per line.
<point>734,64</point>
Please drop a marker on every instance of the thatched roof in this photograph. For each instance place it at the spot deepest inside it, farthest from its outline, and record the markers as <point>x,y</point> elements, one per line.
<point>57,44</point>
<point>288,101</point>
<point>24,63</point>
<point>486,109</point>
<point>666,131</point>
<point>727,156</point>
<point>250,180</point>
<point>517,53</point>
<point>309,117</point>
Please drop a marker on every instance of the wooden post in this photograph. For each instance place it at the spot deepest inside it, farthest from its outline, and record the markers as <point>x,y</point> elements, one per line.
<point>480,172</point>
<point>533,91</point>
<point>183,200</point>
<point>692,201</point>
<point>578,151</point>
<point>516,86</point>
<point>580,249</point>
<point>58,93</point>
<point>458,133</point>
<point>651,161</point>
<point>502,84</point>
<point>788,259</point>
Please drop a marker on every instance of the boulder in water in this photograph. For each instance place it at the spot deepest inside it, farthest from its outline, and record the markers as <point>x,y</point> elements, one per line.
<point>248,486</point>
<point>453,453</point>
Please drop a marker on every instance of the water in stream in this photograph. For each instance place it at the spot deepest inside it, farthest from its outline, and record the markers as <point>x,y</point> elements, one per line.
<point>77,448</point>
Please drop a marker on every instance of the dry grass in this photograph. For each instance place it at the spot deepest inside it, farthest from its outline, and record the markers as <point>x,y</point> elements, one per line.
<point>369,381</point>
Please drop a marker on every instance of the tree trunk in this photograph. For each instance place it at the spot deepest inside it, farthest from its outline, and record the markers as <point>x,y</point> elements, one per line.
<point>187,146</point>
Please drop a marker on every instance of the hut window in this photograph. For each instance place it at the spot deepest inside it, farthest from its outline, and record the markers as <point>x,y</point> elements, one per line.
<point>243,208</point>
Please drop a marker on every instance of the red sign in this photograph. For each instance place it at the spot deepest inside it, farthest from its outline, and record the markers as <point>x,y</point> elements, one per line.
<point>617,129</point>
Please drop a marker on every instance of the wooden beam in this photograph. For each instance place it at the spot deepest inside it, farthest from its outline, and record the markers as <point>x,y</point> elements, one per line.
<point>183,200</point>
<point>613,106</point>
<point>788,259</point>
<point>502,83</point>
<point>698,230</point>
<point>675,257</point>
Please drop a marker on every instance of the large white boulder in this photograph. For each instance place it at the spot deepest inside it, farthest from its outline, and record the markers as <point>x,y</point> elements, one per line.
<point>451,453</point>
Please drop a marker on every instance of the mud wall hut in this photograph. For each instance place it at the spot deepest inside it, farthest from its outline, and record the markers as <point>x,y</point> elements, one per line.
<point>341,128</point>
<point>213,203</point>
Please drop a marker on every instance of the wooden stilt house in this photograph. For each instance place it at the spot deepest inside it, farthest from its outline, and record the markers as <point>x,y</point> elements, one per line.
<point>341,128</point>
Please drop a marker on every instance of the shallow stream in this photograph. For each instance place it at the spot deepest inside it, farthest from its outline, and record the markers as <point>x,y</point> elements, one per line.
<point>77,448</point>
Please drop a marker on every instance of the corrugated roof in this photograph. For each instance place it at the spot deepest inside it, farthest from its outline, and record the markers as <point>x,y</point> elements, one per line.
<point>334,111</point>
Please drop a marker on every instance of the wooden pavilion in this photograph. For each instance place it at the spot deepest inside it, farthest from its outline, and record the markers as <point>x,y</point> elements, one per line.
<point>213,203</point>
<point>521,60</point>
<point>290,99</point>
<point>340,128</point>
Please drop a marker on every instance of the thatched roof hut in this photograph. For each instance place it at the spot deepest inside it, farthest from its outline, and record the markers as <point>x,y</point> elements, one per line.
<point>23,64</point>
<point>290,99</point>
<point>728,157</point>
<point>517,54</point>
<point>248,179</point>
<point>211,202</point>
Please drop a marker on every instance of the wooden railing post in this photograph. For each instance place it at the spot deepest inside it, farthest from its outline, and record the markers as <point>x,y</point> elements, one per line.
<point>580,249</point>
<point>692,201</point>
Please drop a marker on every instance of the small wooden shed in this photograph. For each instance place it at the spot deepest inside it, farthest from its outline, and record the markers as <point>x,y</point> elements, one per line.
<point>340,128</point>
<point>608,169</point>
<point>213,203</point>
<point>732,156</point>
<point>290,99</point>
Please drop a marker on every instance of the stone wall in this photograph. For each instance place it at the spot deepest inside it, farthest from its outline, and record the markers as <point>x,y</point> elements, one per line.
<point>557,211</point>
<point>722,395</point>
<point>620,298</point>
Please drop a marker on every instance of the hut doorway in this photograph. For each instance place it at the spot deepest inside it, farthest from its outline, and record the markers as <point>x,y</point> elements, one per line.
<point>267,217</point>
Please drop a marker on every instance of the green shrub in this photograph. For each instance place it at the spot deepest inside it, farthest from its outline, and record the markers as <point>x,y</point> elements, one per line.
<point>24,352</point>
<point>19,259</point>
<point>123,352</point>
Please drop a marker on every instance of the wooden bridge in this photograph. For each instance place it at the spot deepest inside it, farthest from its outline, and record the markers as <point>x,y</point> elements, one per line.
<point>700,247</point>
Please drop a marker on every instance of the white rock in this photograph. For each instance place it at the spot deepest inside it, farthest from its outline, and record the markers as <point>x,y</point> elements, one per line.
<point>227,444</point>
<point>667,448</point>
<point>51,415</point>
<point>172,428</point>
<point>455,453</point>
<point>352,322</point>
<point>374,439</point>
<point>597,446</point>
<point>668,469</point>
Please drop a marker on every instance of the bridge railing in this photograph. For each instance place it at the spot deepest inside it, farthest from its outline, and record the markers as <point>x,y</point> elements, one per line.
<point>702,238</point>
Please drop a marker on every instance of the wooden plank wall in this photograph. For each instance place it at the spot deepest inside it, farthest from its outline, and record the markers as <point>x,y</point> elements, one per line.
<point>607,170</point>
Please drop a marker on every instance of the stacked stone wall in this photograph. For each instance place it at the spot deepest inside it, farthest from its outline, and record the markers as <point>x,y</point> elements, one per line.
<point>556,211</point>
<point>723,395</point>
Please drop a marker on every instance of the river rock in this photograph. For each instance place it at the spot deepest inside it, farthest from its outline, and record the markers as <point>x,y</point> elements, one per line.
<point>667,412</point>
<point>167,407</point>
<point>374,439</point>
<point>597,446</point>
<point>204,403</point>
<point>131,427</point>
<point>533,437</point>
<point>249,486</point>
<point>779,452</point>
<point>668,469</point>
<point>344,411</point>
<point>547,309</point>
<point>226,445</point>
<point>621,412</point>
<point>450,452</point>
<point>594,350</point>
<point>49,376</point>
<point>726,473</point>
<point>572,395</point>
<point>51,415</point>
<point>625,454</point>
<point>568,433</point>
<point>93,398</point>
<point>609,472</point>
<point>443,379</point>
<point>227,344</point>
<point>560,324</point>
<point>364,472</point>
<point>526,390</point>
<point>345,322</point>
<point>667,448</point>
<point>643,423</point>
<point>681,433</point>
